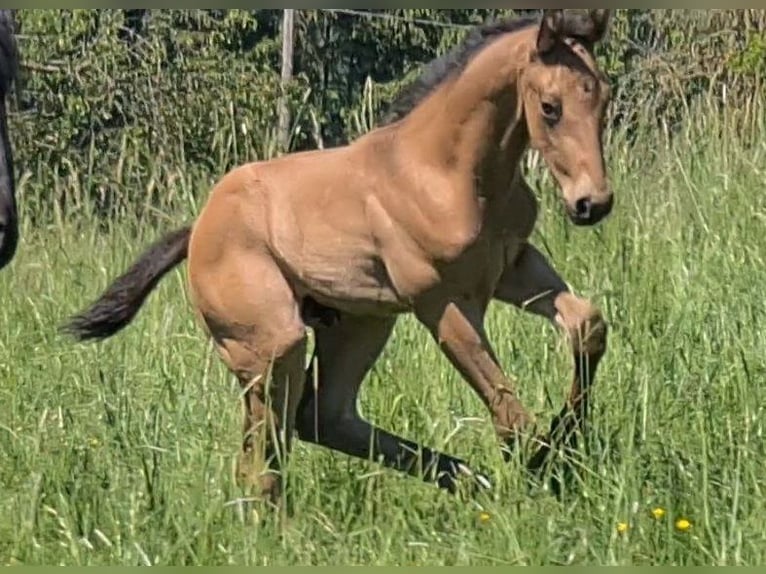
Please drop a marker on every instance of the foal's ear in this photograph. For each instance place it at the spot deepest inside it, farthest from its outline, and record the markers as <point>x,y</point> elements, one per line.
<point>550,30</point>
<point>600,19</point>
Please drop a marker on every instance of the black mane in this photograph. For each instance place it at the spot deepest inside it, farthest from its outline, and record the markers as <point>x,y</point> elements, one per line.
<point>9,55</point>
<point>453,62</point>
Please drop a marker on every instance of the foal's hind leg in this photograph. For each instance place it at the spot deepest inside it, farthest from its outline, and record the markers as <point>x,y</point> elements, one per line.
<point>328,413</point>
<point>255,322</point>
<point>270,404</point>
<point>531,284</point>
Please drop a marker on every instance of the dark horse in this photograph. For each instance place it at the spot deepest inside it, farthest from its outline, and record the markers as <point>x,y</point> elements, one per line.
<point>9,60</point>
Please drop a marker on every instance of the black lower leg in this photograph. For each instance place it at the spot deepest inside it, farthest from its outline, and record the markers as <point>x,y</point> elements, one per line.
<point>355,437</point>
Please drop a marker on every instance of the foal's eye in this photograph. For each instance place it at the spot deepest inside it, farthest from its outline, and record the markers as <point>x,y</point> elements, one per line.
<point>551,113</point>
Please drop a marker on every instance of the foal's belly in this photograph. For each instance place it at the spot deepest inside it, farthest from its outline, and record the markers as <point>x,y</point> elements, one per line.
<point>356,285</point>
<point>375,287</point>
<point>385,274</point>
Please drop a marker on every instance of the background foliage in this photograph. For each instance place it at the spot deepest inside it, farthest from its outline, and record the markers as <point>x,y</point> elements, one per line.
<point>136,108</point>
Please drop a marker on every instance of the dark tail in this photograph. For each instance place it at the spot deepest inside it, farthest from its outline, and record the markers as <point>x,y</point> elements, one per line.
<point>117,306</point>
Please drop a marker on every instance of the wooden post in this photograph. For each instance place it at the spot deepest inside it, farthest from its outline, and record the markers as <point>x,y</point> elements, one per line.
<point>288,43</point>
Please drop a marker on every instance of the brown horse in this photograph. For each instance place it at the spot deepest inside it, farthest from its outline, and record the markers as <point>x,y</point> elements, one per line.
<point>9,60</point>
<point>428,215</point>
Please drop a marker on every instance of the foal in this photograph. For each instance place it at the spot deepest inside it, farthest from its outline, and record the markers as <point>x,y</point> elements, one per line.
<point>9,231</point>
<point>428,215</point>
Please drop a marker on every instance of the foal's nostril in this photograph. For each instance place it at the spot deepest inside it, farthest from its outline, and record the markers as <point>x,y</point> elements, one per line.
<point>583,208</point>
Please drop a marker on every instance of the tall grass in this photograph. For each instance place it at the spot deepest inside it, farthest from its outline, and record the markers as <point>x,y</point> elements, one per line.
<point>123,452</point>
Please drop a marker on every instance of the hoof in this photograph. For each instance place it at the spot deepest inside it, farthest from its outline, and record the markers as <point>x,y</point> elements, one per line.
<point>257,484</point>
<point>537,461</point>
<point>471,483</point>
<point>519,440</point>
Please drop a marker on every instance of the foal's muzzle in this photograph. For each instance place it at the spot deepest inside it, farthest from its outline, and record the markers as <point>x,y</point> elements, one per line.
<point>587,211</point>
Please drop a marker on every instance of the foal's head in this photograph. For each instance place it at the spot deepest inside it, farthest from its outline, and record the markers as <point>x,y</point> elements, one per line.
<point>564,97</point>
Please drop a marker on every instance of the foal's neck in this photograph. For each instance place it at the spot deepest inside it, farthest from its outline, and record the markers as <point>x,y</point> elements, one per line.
<point>472,126</point>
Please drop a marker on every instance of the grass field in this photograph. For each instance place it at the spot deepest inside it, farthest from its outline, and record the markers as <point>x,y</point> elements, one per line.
<point>123,452</point>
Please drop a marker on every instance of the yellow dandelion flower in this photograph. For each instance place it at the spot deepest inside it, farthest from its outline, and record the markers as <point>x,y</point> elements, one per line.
<point>93,442</point>
<point>622,527</point>
<point>658,513</point>
<point>485,517</point>
<point>683,525</point>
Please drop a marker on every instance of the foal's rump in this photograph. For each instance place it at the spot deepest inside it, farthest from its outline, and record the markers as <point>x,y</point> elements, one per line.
<point>305,215</point>
<point>315,220</point>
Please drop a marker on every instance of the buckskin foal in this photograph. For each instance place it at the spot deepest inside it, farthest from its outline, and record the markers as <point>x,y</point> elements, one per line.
<point>428,215</point>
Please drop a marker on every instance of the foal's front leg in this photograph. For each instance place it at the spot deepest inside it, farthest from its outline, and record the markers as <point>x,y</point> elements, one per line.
<point>531,284</point>
<point>458,327</point>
